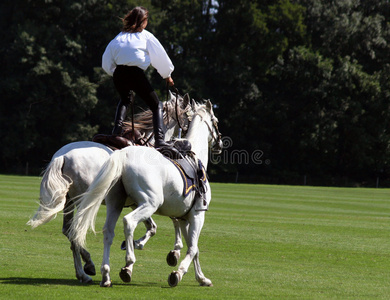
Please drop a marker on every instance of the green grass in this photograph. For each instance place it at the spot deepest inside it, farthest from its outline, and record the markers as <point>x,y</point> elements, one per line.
<point>258,242</point>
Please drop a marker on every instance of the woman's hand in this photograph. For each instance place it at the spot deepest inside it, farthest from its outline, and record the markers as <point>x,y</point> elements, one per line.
<point>169,81</point>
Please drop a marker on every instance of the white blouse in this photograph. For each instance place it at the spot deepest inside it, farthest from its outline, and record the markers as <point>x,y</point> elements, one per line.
<point>138,49</point>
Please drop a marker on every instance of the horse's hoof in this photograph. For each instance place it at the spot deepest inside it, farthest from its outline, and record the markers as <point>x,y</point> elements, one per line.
<point>106,284</point>
<point>173,279</point>
<point>123,245</point>
<point>138,245</point>
<point>125,275</point>
<point>85,279</point>
<point>207,283</point>
<point>89,268</point>
<point>172,258</point>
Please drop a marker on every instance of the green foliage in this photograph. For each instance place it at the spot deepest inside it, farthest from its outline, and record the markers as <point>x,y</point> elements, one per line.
<point>305,82</point>
<point>332,113</point>
<point>333,108</point>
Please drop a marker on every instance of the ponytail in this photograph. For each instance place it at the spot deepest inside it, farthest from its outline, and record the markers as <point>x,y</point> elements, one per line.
<point>133,20</point>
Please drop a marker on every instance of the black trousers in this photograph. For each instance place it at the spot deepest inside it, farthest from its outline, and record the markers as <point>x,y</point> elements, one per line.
<point>127,78</point>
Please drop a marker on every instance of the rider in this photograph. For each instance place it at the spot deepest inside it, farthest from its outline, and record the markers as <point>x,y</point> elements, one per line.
<point>126,58</point>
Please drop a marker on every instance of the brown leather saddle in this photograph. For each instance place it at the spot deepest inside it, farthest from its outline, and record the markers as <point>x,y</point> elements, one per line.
<point>180,148</point>
<point>117,142</point>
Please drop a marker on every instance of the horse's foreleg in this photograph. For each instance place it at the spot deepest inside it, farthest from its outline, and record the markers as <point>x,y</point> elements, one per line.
<point>151,229</point>
<point>174,255</point>
<point>199,276</point>
<point>191,230</point>
<point>80,273</point>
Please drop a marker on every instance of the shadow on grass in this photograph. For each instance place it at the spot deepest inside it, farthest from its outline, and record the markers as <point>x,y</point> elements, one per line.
<point>67,282</point>
<point>40,281</point>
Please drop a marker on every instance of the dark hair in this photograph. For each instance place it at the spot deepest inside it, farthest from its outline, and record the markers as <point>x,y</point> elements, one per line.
<point>134,18</point>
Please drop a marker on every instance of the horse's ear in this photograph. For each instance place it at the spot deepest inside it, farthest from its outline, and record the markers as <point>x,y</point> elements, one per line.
<point>209,105</point>
<point>193,105</point>
<point>186,101</point>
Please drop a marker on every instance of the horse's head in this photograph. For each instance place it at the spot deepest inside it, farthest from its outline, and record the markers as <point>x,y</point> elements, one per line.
<point>216,136</point>
<point>206,112</point>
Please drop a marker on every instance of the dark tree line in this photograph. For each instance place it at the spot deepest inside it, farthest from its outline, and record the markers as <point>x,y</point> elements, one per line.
<point>301,87</point>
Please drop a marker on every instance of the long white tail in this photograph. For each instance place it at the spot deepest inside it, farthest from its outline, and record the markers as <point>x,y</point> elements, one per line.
<point>54,187</point>
<point>89,203</point>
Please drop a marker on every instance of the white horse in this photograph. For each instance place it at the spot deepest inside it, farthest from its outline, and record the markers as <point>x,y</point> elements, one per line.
<point>73,168</point>
<point>154,185</point>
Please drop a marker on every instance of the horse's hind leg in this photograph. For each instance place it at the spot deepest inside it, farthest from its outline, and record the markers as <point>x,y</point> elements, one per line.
<point>89,266</point>
<point>114,205</point>
<point>130,222</point>
<point>174,255</point>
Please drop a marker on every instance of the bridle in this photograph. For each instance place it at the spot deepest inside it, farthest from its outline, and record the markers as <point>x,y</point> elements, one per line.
<point>217,138</point>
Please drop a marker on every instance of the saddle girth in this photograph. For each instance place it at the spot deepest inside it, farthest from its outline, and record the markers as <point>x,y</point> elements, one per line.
<point>194,178</point>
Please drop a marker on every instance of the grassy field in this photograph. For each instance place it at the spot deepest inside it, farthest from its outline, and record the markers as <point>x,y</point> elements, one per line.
<point>258,242</point>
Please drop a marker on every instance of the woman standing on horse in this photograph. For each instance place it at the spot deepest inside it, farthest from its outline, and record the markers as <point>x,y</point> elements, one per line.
<point>126,58</point>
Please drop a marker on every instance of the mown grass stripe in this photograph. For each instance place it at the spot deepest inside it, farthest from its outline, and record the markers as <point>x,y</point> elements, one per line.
<point>258,242</point>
